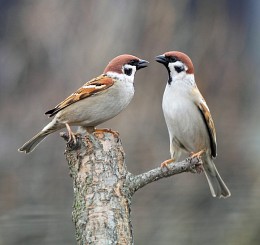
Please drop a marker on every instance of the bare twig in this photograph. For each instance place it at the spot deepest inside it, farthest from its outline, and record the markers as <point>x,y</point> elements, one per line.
<point>189,165</point>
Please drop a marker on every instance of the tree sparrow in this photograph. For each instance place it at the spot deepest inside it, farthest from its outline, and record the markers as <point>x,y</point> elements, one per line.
<point>97,101</point>
<point>190,125</point>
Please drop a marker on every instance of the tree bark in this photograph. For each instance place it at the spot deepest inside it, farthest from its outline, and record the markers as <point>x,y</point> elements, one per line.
<point>103,188</point>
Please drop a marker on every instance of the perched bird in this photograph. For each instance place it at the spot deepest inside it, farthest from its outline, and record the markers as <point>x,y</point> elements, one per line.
<point>190,125</point>
<point>97,101</point>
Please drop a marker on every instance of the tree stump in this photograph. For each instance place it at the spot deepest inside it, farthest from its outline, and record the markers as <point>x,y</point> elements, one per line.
<point>103,188</point>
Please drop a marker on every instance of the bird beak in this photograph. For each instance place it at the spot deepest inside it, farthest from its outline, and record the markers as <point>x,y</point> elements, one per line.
<point>161,59</point>
<point>142,64</point>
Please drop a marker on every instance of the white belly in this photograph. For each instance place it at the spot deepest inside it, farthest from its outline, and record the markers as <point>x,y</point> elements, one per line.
<point>185,123</point>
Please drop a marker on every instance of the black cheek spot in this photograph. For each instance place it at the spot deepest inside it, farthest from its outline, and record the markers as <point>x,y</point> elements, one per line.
<point>128,71</point>
<point>179,68</point>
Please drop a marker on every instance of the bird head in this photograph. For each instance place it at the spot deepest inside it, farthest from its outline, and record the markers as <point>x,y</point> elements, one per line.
<point>126,65</point>
<point>178,65</point>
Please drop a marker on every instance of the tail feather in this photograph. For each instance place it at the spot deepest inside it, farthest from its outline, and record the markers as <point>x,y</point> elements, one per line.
<point>217,186</point>
<point>30,145</point>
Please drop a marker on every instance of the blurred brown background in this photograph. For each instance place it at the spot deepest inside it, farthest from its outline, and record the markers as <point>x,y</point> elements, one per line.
<point>49,48</point>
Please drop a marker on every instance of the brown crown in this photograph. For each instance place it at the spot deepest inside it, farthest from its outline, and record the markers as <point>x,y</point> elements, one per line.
<point>115,65</point>
<point>182,57</point>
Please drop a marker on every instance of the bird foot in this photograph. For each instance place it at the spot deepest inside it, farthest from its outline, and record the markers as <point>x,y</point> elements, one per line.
<point>196,164</point>
<point>197,154</point>
<point>166,163</point>
<point>72,136</point>
<point>72,139</point>
<point>106,130</point>
<point>73,144</point>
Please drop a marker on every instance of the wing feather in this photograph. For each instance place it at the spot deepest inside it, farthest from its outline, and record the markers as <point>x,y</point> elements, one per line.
<point>90,88</point>
<point>210,126</point>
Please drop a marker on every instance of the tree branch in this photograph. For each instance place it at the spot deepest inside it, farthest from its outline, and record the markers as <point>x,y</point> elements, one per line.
<point>136,182</point>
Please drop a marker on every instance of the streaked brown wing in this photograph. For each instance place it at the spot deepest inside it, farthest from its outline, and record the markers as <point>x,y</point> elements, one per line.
<point>90,88</point>
<point>210,126</point>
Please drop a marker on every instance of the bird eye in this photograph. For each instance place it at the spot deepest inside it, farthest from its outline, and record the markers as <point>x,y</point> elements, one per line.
<point>179,68</point>
<point>133,62</point>
<point>173,59</point>
<point>128,71</point>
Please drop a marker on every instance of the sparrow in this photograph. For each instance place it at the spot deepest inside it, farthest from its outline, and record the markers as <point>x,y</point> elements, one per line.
<point>97,101</point>
<point>189,122</point>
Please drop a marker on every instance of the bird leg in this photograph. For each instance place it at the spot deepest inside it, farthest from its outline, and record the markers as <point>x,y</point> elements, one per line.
<point>167,162</point>
<point>106,130</point>
<point>71,134</point>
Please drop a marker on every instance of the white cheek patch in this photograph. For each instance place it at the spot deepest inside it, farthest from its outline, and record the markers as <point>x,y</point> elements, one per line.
<point>122,77</point>
<point>128,66</point>
<point>178,63</point>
